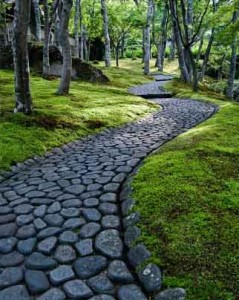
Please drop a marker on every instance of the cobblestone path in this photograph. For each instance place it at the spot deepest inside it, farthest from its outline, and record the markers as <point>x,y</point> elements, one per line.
<point>60,221</point>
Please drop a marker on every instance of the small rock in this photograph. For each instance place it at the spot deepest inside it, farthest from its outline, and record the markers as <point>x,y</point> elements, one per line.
<point>8,230</point>
<point>54,208</point>
<point>108,208</point>
<point>75,189</point>
<point>84,247</point>
<point>26,232</point>
<point>53,294</point>
<point>151,278</point>
<point>101,284</point>
<point>72,203</point>
<point>91,202</point>
<point>68,237</point>
<point>38,261</point>
<point>36,281</point>
<point>61,275</point>
<point>18,292</point>
<point>109,243</point>
<point>39,224</point>
<point>119,273</point>
<point>89,266</point>
<point>65,254</point>
<point>26,247</point>
<point>74,223</point>
<point>131,234</point>
<point>70,212</point>
<point>109,197</point>
<point>171,294</point>
<point>110,222</point>
<point>89,230</point>
<point>47,245</point>
<point>102,297</point>
<point>77,289</point>
<point>131,292</point>
<point>54,220</point>
<point>12,259</point>
<point>47,232</point>
<point>24,219</point>
<point>23,209</point>
<point>10,276</point>
<point>138,254</point>
<point>40,211</point>
<point>7,244</point>
<point>91,214</point>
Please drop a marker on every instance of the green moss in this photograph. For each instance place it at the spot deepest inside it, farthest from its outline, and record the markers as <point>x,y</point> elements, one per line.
<point>57,120</point>
<point>190,204</point>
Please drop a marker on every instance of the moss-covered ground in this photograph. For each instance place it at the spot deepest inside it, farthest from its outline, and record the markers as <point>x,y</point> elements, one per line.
<point>188,197</point>
<point>57,120</point>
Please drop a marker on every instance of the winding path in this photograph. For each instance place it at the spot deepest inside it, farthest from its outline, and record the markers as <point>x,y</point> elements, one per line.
<point>60,222</point>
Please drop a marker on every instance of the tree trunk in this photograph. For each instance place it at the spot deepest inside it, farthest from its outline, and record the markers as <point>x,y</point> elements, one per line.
<point>200,48</point>
<point>56,28</point>
<point>122,46</point>
<point>106,33</point>
<point>76,27</point>
<point>20,55</point>
<point>64,86</point>
<point>46,59</point>
<point>163,40</point>
<point>181,55</point>
<point>117,50</point>
<point>37,19</point>
<point>232,71</point>
<point>190,17</point>
<point>147,46</point>
<point>207,54</point>
<point>172,47</point>
<point>193,67</point>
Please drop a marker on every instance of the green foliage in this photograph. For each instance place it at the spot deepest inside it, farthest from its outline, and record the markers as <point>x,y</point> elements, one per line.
<point>190,204</point>
<point>57,120</point>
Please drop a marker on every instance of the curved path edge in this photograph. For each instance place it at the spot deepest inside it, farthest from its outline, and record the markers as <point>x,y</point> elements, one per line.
<point>65,227</point>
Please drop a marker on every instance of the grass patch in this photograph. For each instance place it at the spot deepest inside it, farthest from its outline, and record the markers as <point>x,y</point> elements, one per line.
<point>59,119</point>
<point>188,197</point>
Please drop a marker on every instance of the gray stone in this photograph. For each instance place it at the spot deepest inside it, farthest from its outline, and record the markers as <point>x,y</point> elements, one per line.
<point>151,278</point>
<point>84,247</point>
<point>90,195</point>
<point>101,285</point>
<point>65,254</point>
<point>119,178</point>
<point>74,223</point>
<point>71,212</point>
<point>91,214</point>
<point>171,294</point>
<point>8,230</point>
<point>108,208</point>
<point>7,244</point>
<point>103,180</point>
<point>138,254</point>
<point>119,273</point>
<point>12,259</point>
<point>131,234</point>
<point>5,210</point>
<point>17,292</point>
<point>23,209</point>
<point>54,208</point>
<point>109,197</point>
<point>94,187</point>
<point>91,202</point>
<point>26,247</point>
<point>53,294</point>
<point>110,221</point>
<point>24,219</point>
<point>7,219</point>
<point>89,230</point>
<point>131,220</point>
<point>47,232</point>
<point>109,243</point>
<point>54,220</point>
<point>126,206</point>
<point>47,245</point>
<point>38,261</point>
<point>72,203</point>
<point>102,297</point>
<point>131,292</point>
<point>75,189</point>
<point>89,266</point>
<point>40,211</point>
<point>35,194</point>
<point>112,187</point>
<point>61,274</point>
<point>68,237</point>
<point>39,224</point>
<point>10,276</point>
<point>77,289</point>
<point>26,232</point>
<point>36,281</point>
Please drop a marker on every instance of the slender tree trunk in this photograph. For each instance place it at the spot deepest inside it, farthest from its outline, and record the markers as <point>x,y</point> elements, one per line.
<point>200,48</point>
<point>207,54</point>
<point>37,19</point>
<point>122,46</point>
<point>172,47</point>
<point>46,59</point>
<point>143,44</point>
<point>56,27</point>
<point>193,67</point>
<point>220,70</point>
<point>76,27</point>
<point>117,50</point>
<point>181,55</point>
<point>190,17</point>
<point>64,86</point>
<point>106,33</point>
<point>163,40</point>
<point>20,55</point>
<point>147,46</point>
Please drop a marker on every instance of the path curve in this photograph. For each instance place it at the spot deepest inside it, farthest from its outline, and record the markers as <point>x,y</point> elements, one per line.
<point>60,223</point>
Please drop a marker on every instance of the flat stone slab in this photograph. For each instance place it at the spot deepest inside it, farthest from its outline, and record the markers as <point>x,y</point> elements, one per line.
<point>60,216</point>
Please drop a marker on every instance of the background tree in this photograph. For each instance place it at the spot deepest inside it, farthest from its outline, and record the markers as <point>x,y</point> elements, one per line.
<point>106,33</point>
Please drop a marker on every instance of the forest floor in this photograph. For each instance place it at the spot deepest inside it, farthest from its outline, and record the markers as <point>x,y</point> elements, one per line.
<point>57,120</point>
<point>188,197</point>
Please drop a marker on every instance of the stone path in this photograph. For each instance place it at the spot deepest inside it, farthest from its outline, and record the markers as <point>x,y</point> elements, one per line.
<point>60,221</point>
